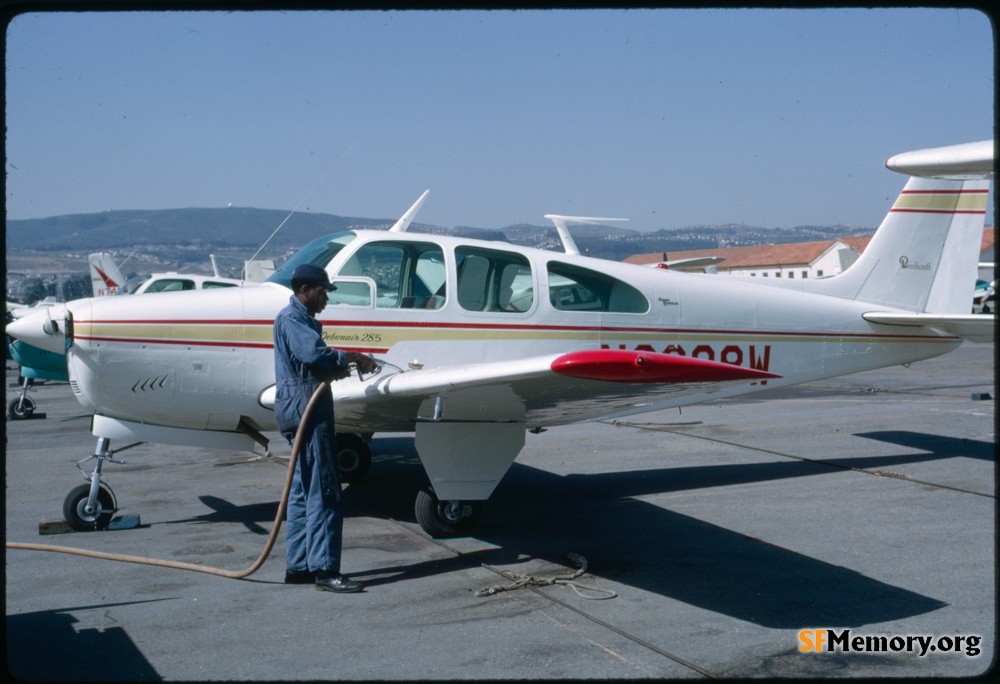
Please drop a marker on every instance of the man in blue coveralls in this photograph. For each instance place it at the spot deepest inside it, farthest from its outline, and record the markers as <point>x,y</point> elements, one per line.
<point>302,360</point>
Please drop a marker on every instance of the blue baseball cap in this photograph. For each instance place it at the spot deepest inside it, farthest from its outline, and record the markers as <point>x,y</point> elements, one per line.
<point>314,273</point>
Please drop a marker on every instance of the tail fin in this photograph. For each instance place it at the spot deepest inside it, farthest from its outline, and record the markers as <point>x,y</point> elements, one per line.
<point>105,276</point>
<point>923,257</point>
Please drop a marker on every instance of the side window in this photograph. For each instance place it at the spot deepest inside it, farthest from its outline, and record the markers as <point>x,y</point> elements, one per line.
<point>572,288</point>
<point>211,285</point>
<point>407,275</point>
<point>352,292</point>
<point>170,285</point>
<point>493,280</point>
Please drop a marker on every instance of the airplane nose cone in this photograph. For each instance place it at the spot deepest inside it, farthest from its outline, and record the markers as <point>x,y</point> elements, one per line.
<point>43,329</point>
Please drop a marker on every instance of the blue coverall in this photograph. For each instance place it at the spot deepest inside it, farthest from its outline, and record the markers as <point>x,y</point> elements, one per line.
<point>302,360</point>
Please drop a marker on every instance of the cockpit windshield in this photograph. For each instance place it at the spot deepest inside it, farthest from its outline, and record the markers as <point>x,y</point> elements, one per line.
<point>133,283</point>
<point>319,252</point>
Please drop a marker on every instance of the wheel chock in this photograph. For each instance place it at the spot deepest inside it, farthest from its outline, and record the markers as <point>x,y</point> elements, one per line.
<point>124,522</point>
<point>55,526</point>
<point>60,526</point>
<point>29,416</point>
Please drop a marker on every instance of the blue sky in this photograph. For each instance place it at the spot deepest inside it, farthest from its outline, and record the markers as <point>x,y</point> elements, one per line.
<point>665,117</point>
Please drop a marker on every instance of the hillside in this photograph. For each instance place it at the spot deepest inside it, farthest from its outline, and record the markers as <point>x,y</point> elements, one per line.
<point>182,239</point>
<point>229,227</point>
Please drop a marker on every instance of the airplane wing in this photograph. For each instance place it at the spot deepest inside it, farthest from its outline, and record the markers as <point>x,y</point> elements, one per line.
<point>972,327</point>
<point>545,390</point>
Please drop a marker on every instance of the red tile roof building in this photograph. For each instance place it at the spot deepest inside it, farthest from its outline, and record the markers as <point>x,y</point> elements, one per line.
<point>792,260</point>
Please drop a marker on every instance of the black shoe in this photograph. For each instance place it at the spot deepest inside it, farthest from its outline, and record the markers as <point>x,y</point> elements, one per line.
<point>299,577</point>
<point>337,583</point>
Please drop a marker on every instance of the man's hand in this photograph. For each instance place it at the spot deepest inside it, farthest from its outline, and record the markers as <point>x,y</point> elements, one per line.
<point>365,363</point>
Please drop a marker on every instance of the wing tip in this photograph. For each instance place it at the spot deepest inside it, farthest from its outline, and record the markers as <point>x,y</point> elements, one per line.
<point>631,366</point>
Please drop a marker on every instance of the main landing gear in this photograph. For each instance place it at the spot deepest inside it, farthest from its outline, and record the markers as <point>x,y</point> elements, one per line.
<point>354,458</point>
<point>439,519</point>
<point>442,519</point>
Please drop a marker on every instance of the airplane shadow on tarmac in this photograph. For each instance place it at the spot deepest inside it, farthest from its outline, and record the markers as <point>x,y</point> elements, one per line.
<point>543,515</point>
<point>539,514</point>
<point>49,645</point>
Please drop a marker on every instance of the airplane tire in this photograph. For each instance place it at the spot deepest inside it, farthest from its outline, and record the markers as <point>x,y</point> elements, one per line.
<point>75,515</point>
<point>354,458</point>
<point>444,519</point>
<point>19,410</point>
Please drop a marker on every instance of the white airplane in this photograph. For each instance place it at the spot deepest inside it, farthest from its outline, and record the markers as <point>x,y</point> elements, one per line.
<point>105,275</point>
<point>469,373</point>
<point>172,281</point>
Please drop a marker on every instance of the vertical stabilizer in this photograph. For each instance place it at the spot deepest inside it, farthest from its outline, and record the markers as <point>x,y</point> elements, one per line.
<point>923,257</point>
<point>105,276</point>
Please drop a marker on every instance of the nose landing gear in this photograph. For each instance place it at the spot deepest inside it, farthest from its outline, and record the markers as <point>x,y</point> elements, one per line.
<point>91,506</point>
<point>23,407</point>
<point>80,514</point>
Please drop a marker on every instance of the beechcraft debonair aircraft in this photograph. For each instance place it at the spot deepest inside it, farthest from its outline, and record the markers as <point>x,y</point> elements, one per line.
<point>481,342</point>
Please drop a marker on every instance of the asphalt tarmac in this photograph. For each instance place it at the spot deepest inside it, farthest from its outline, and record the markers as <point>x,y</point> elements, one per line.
<point>733,533</point>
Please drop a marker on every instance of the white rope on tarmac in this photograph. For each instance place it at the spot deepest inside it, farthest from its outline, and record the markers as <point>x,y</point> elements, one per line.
<point>520,581</point>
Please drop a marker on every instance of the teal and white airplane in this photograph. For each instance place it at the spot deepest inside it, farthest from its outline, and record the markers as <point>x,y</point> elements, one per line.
<point>481,342</point>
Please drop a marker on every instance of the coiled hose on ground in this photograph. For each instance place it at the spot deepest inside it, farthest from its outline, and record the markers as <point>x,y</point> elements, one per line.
<point>180,565</point>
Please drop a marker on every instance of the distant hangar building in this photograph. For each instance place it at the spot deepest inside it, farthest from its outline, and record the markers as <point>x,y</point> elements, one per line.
<point>818,259</point>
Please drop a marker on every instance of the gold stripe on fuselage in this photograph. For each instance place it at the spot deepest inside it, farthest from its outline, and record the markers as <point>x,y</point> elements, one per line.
<point>389,335</point>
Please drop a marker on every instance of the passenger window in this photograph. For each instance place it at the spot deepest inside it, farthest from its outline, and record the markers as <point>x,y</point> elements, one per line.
<point>211,285</point>
<point>572,288</point>
<point>170,285</point>
<point>494,280</point>
<point>407,275</point>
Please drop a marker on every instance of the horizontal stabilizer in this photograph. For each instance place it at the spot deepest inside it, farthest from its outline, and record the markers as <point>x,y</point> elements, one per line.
<point>569,245</point>
<point>622,365</point>
<point>969,161</point>
<point>971,327</point>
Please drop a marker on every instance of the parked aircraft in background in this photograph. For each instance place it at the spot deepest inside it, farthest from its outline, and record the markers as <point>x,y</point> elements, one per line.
<point>16,310</point>
<point>174,282</point>
<point>105,275</point>
<point>706,264</point>
<point>984,298</point>
<point>481,342</point>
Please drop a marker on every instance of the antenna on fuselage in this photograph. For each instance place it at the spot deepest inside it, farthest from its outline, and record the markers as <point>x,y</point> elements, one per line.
<point>567,240</point>
<point>406,219</point>
<point>243,274</point>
